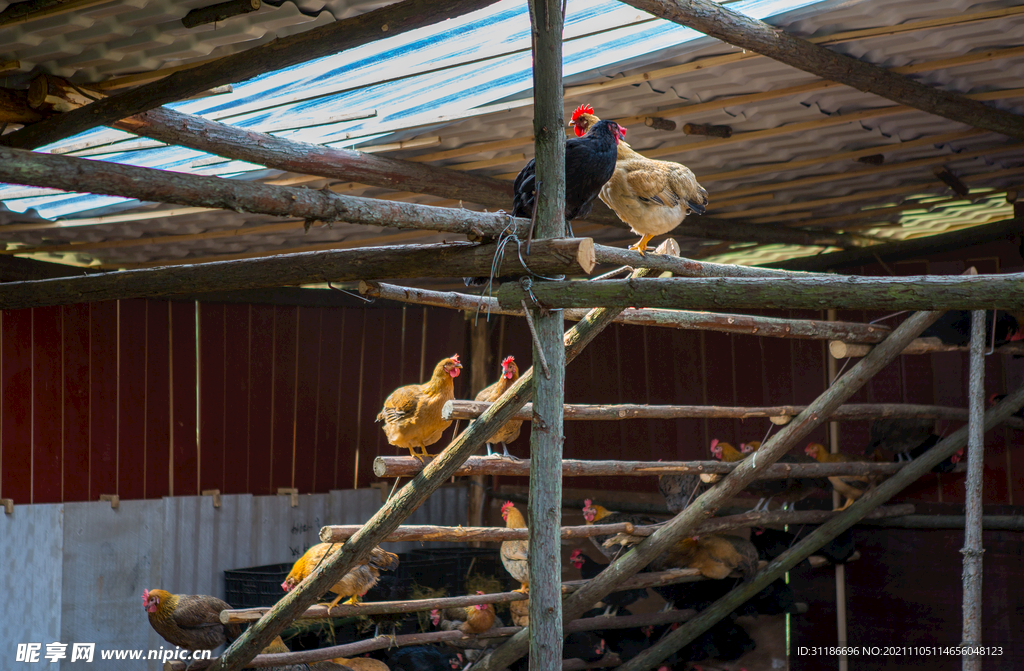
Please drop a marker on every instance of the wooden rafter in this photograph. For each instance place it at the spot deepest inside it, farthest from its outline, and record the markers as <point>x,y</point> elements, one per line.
<point>734,28</point>
<point>391,20</point>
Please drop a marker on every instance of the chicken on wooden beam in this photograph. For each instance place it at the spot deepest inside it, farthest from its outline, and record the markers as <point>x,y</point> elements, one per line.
<point>353,584</point>
<point>412,414</point>
<point>191,621</point>
<point>590,161</point>
<point>653,197</point>
<point>510,430</point>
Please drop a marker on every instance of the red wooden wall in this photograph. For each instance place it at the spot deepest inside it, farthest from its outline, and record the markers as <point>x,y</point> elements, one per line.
<point>150,398</point>
<point>147,398</point>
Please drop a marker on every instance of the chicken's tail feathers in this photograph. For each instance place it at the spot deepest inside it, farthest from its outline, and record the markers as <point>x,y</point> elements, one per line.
<point>382,560</point>
<point>697,208</point>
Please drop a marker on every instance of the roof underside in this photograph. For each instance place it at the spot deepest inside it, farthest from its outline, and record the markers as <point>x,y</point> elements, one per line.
<point>455,97</point>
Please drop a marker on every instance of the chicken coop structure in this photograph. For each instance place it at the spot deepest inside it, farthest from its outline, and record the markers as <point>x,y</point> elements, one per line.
<point>864,138</point>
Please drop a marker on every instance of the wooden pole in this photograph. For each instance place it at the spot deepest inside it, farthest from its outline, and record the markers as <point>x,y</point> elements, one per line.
<point>787,560</point>
<point>339,533</point>
<point>973,550</point>
<point>347,165</point>
<point>546,435</point>
<point>926,292</point>
<point>390,20</point>
<point>407,466</point>
<point>452,259</point>
<point>734,28</point>
<point>705,505</point>
<point>406,500</point>
<point>480,364</point>
<point>850,411</point>
<point>78,174</point>
<point>844,350</point>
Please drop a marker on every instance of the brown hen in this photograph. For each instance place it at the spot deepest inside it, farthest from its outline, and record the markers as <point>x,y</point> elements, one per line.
<point>353,584</point>
<point>510,430</point>
<point>515,555</point>
<point>412,414</point>
<point>653,197</point>
<point>191,621</point>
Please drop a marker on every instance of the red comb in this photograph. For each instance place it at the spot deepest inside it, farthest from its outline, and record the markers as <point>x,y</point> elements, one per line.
<point>455,358</point>
<point>586,503</point>
<point>505,506</point>
<point>507,360</point>
<point>145,595</point>
<point>714,442</point>
<point>575,553</point>
<point>581,110</point>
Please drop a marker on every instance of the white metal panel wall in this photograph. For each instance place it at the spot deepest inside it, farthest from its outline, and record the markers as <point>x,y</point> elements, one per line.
<point>31,545</point>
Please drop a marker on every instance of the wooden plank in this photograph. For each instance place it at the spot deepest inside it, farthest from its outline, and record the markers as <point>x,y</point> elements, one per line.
<point>282,433</point>
<point>261,381</point>
<point>75,402</point>
<point>104,402</point>
<point>213,457</point>
<point>237,389</point>
<point>332,348</point>
<point>184,445</point>
<point>47,448</point>
<point>131,392</point>
<point>158,399</point>
<point>309,353</point>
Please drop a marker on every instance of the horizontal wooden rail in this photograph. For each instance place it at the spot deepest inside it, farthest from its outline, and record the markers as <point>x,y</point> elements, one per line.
<point>844,350</point>
<point>390,467</point>
<point>779,414</point>
<point>320,611</point>
<point>340,533</point>
<point>927,292</point>
<point>773,327</point>
<point>423,532</point>
<point>451,637</point>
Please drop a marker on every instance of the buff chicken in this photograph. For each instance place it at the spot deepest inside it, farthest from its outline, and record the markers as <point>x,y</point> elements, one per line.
<point>412,414</point>
<point>475,619</point>
<point>714,555</point>
<point>515,555</point>
<point>596,514</point>
<point>850,486</point>
<point>353,584</point>
<point>510,430</point>
<point>653,197</point>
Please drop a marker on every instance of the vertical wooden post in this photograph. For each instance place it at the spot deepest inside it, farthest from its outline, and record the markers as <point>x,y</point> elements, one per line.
<point>833,446</point>
<point>480,361</point>
<point>972,550</point>
<point>546,436</point>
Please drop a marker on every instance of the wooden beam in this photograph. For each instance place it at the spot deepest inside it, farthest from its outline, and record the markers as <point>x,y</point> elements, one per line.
<point>547,436</point>
<point>617,412</point>
<point>338,533</point>
<point>787,560</point>
<point>390,20</point>
<point>928,292</point>
<point>27,270</point>
<point>843,350</point>
<point>391,467</point>
<point>14,108</point>
<point>907,249</point>
<point>972,549</point>
<point>186,130</point>
<point>734,28</point>
<point>705,505</point>
<point>218,12</point>
<point>801,329</point>
<point>550,257</point>
<point>78,174</point>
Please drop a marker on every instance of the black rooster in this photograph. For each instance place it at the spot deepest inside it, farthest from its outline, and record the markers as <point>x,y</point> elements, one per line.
<point>589,163</point>
<point>423,658</point>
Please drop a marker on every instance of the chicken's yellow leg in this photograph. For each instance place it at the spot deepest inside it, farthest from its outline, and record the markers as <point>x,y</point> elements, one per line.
<point>642,245</point>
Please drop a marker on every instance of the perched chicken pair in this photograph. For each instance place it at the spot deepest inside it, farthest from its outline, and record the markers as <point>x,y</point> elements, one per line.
<point>412,414</point>
<point>353,584</point>
<point>653,197</point>
<point>475,619</point>
<point>190,621</point>
<point>595,514</point>
<point>787,491</point>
